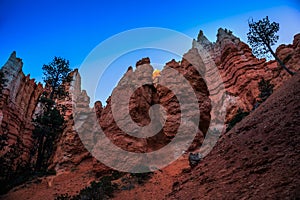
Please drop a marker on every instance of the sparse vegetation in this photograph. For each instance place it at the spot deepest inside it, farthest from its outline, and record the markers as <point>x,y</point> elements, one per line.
<point>14,170</point>
<point>140,178</point>
<point>265,88</point>
<point>48,124</point>
<point>97,190</point>
<point>105,188</point>
<point>237,118</point>
<point>100,190</point>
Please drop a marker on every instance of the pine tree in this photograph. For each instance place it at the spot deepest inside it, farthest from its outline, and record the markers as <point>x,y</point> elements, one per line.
<point>262,36</point>
<point>49,123</point>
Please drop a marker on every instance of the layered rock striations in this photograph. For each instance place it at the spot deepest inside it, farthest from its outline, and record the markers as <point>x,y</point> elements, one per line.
<point>233,63</point>
<point>240,70</point>
<point>140,116</point>
<point>18,102</point>
<point>290,53</point>
<point>132,110</point>
<point>140,105</point>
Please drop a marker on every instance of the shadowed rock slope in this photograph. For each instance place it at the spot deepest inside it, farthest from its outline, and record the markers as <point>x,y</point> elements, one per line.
<point>258,159</point>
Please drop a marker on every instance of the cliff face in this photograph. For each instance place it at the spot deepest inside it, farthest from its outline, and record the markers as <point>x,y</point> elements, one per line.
<point>17,105</point>
<point>191,68</point>
<point>135,107</point>
<point>234,63</point>
<point>70,151</point>
<point>131,110</point>
<point>136,95</point>
<point>241,71</point>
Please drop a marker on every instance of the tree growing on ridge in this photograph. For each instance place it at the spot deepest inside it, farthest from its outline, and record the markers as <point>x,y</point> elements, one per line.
<point>55,73</point>
<point>262,36</point>
<point>48,124</point>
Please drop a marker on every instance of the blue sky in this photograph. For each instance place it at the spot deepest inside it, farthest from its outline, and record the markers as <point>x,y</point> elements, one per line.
<point>40,30</point>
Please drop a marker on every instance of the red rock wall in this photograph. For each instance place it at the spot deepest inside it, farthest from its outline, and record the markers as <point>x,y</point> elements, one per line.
<point>241,71</point>
<point>290,54</point>
<point>17,104</point>
<point>146,96</point>
<point>69,150</point>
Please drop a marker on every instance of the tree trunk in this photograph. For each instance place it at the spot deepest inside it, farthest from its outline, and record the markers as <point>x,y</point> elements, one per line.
<point>40,156</point>
<point>280,62</point>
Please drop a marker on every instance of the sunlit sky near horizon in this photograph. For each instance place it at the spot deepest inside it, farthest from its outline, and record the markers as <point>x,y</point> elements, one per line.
<point>40,30</point>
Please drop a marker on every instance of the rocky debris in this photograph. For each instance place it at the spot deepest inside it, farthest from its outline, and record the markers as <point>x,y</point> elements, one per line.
<point>194,159</point>
<point>240,70</point>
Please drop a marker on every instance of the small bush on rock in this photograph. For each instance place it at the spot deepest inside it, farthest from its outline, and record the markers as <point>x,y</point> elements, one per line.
<point>237,118</point>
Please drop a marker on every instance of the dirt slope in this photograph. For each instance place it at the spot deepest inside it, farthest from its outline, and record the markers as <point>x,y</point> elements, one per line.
<point>47,188</point>
<point>258,159</point>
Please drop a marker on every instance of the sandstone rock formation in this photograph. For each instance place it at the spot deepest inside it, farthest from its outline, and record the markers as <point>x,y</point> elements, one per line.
<point>18,102</point>
<point>145,94</point>
<point>240,70</point>
<point>248,162</point>
<point>132,119</point>
<point>134,102</point>
<point>70,151</point>
<point>290,53</point>
<point>18,106</point>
